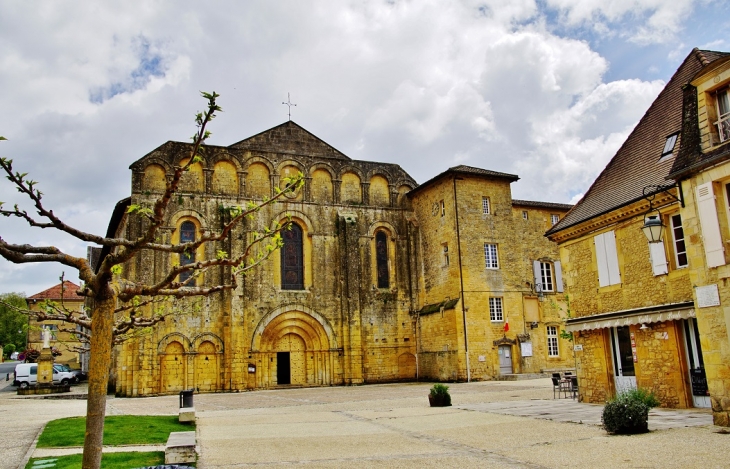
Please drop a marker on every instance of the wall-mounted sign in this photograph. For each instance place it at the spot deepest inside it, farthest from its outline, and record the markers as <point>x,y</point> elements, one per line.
<point>526,349</point>
<point>251,368</point>
<point>482,358</point>
<point>578,347</point>
<point>707,296</point>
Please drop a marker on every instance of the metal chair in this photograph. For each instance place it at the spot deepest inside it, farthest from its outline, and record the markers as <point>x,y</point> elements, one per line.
<point>574,386</point>
<point>557,385</point>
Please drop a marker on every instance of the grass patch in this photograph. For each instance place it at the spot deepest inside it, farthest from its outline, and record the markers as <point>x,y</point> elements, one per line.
<point>108,460</point>
<point>118,430</point>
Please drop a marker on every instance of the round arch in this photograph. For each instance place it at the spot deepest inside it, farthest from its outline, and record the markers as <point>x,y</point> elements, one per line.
<point>170,338</point>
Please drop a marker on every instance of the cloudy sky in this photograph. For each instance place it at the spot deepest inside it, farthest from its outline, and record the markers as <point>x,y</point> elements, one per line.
<point>545,89</point>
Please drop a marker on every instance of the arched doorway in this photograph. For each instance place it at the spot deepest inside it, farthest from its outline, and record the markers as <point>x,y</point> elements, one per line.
<point>173,368</point>
<point>206,367</point>
<point>293,347</point>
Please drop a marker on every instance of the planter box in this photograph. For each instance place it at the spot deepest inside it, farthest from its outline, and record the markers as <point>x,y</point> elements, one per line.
<point>439,401</point>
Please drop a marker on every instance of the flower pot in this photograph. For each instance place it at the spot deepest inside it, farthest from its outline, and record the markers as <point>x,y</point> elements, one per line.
<point>439,400</point>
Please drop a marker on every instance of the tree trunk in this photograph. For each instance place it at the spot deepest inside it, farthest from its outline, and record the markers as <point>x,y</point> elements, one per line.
<point>102,322</point>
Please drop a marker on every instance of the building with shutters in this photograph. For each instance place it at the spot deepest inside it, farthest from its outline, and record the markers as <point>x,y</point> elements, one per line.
<point>702,168</point>
<point>379,279</point>
<point>635,316</point>
<point>62,340</point>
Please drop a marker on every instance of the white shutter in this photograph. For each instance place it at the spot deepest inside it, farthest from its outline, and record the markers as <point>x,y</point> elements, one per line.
<point>537,275</point>
<point>711,237</point>
<point>558,276</point>
<point>658,258</point>
<point>614,275</point>
<point>601,260</point>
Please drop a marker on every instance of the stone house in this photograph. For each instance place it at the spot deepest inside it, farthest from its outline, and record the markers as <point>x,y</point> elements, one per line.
<point>64,342</point>
<point>634,318</point>
<point>702,168</point>
<point>358,293</point>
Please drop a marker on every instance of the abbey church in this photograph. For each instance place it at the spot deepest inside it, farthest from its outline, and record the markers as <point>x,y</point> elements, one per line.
<point>380,279</point>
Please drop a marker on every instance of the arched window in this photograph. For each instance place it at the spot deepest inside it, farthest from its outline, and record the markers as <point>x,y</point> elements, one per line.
<point>292,259</point>
<point>187,235</point>
<point>381,259</point>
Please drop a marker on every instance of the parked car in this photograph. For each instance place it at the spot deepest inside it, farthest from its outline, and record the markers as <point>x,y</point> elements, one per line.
<point>78,375</point>
<point>26,374</point>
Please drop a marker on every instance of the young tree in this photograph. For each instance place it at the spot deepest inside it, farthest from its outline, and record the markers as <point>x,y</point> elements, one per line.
<point>13,324</point>
<point>106,287</point>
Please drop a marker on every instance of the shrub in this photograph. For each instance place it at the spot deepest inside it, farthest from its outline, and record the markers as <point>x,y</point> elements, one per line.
<point>439,395</point>
<point>628,412</point>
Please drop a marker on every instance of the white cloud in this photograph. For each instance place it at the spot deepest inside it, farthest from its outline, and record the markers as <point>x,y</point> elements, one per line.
<point>90,88</point>
<point>644,22</point>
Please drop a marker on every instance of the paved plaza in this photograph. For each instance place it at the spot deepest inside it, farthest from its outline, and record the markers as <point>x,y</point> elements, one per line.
<point>491,425</point>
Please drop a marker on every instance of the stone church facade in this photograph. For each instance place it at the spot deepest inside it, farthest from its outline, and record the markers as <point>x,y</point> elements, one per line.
<point>362,291</point>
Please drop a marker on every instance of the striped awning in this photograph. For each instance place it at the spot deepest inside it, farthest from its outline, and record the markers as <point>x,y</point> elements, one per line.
<point>629,317</point>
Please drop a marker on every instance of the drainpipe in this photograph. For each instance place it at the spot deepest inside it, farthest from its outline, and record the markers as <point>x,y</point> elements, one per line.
<point>461,285</point>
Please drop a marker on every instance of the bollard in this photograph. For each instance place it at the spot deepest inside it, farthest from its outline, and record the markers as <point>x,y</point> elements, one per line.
<point>186,398</point>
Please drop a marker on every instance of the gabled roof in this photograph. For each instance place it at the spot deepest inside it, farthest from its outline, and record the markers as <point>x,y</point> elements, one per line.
<point>54,293</point>
<point>637,163</point>
<point>291,138</point>
<point>468,170</point>
<point>691,158</point>
<point>537,204</point>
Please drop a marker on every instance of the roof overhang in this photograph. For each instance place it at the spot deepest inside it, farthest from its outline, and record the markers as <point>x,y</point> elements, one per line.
<point>630,317</point>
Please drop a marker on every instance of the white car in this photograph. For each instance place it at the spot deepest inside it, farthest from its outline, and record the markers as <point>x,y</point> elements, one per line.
<point>26,374</point>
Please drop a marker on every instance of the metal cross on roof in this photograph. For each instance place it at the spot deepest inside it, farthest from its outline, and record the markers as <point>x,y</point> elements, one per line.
<point>289,103</point>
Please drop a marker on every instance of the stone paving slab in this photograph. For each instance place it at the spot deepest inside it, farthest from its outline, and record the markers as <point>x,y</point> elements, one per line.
<point>568,410</point>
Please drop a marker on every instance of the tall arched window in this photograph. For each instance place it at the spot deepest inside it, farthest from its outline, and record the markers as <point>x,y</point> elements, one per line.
<point>381,259</point>
<point>292,259</point>
<point>187,235</point>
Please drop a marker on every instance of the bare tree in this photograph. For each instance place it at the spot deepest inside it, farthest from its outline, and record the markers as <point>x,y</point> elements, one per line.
<point>111,294</point>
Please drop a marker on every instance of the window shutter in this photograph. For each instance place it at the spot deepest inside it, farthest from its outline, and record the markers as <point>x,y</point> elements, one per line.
<point>537,275</point>
<point>614,274</point>
<point>711,237</point>
<point>601,260</point>
<point>558,276</point>
<point>658,258</point>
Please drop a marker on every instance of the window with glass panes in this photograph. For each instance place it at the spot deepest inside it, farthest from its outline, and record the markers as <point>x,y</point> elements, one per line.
<point>552,341</point>
<point>187,235</point>
<point>490,256</point>
<point>546,275</point>
<point>495,309</point>
<point>554,219</point>
<point>680,248</point>
<point>486,209</point>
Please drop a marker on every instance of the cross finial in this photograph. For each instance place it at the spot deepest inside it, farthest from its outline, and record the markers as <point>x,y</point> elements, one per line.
<point>289,103</point>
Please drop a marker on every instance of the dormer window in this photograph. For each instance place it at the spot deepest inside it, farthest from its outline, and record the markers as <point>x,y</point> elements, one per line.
<point>723,114</point>
<point>669,145</point>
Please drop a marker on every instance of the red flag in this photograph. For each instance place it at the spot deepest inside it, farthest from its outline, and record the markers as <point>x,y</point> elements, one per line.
<point>506,325</point>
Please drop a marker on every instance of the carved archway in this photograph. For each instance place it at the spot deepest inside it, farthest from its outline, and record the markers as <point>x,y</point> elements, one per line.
<point>297,339</point>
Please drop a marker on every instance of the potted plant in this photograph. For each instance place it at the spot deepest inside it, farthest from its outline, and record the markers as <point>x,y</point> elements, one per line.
<point>439,396</point>
<point>628,412</point>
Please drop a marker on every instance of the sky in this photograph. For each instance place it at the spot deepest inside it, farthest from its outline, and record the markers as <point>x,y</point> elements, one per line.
<point>545,89</point>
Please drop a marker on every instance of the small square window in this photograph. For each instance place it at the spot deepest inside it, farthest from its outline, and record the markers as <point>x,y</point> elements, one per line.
<point>669,145</point>
<point>486,209</point>
<point>554,219</point>
<point>496,313</point>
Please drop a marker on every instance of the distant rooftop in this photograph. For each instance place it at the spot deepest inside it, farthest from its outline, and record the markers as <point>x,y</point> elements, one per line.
<point>54,293</point>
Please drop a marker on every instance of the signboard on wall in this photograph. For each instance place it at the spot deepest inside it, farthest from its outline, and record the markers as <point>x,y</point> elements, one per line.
<point>526,349</point>
<point>707,296</point>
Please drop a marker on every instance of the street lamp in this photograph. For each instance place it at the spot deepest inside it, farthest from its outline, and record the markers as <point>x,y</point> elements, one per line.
<point>653,227</point>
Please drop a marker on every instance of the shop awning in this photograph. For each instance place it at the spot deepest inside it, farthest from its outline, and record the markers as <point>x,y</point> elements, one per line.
<point>629,317</point>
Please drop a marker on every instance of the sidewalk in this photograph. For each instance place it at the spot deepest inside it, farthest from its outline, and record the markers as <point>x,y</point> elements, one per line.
<point>492,424</point>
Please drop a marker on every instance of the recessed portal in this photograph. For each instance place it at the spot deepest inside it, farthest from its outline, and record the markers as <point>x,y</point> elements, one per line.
<point>283,368</point>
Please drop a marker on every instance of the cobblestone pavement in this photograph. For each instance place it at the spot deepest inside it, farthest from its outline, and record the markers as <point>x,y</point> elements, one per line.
<point>492,424</point>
